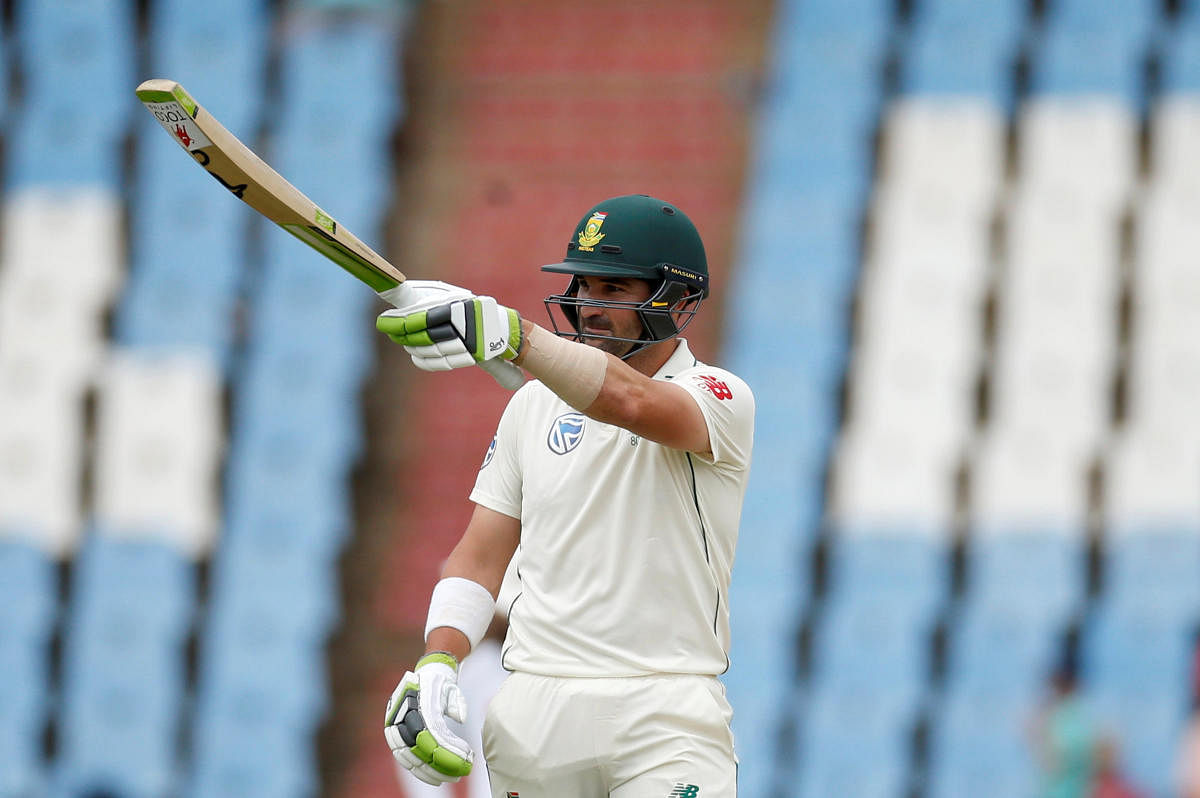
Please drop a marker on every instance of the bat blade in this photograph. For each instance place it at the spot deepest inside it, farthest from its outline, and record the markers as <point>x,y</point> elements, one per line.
<point>250,179</point>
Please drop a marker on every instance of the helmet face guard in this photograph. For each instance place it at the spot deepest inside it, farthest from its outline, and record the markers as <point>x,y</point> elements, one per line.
<point>634,237</point>
<point>664,315</point>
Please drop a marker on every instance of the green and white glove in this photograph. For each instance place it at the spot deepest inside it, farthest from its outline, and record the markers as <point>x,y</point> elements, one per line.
<point>416,726</point>
<point>460,333</point>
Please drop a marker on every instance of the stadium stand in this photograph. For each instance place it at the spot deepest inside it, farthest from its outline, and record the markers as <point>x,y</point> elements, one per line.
<point>960,274</point>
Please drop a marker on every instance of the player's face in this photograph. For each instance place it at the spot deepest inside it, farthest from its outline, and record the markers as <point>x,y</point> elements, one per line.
<point>617,322</point>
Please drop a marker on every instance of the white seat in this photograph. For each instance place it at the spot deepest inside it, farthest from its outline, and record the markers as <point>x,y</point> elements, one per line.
<point>40,320</point>
<point>1166,242</point>
<point>1151,480</point>
<point>158,443</point>
<point>951,146</point>
<point>1026,477</point>
<point>41,455</point>
<point>1084,148</point>
<point>1164,377</point>
<point>74,234</point>
<point>936,231</point>
<point>1037,381</point>
<point>1175,141</point>
<point>886,478</point>
<point>1061,266</point>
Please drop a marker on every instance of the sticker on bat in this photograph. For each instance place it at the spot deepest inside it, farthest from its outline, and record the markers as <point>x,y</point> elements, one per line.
<point>176,121</point>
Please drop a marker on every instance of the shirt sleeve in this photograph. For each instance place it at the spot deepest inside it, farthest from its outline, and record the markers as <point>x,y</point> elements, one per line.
<point>728,407</point>
<point>498,484</point>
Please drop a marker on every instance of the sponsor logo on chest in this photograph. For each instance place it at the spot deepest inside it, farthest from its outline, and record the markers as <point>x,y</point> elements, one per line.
<point>566,432</point>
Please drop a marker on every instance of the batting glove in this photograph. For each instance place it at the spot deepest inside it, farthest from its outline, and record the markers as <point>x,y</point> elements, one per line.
<point>461,333</point>
<point>416,725</point>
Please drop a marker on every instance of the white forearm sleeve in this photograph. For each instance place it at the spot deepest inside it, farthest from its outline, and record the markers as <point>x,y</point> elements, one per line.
<point>461,604</point>
<point>572,370</point>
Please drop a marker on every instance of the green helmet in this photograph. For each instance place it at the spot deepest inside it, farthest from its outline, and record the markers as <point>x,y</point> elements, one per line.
<point>641,237</point>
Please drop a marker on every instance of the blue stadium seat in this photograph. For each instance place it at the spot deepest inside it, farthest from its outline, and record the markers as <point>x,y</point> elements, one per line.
<point>322,65</point>
<point>868,18</point>
<point>1001,18</point>
<point>1136,18</point>
<point>86,45</point>
<point>855,741</point>
<point>57,143</point>
<point>1107,62</point>
<point>874,641</point>
<point>123,667</point>
<point>299,600</point>
<point>975,61</point>
<point>1160,562</point>
<point>971,756</point>
<point>220,56</point>
<point>909,569</point>
<point>248,754</point>
<point>1041,569</point>
<point>1179,59</point>
<point>1002,647</point>
<point>1139,643</point>
<point>27,617</point>
<point>120,734</point>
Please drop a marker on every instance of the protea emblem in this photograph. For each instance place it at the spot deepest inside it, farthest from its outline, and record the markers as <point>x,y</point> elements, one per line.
<point>590,235</point>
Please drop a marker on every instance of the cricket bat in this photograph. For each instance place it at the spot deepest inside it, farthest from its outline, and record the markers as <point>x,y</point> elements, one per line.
<point>251,180</point>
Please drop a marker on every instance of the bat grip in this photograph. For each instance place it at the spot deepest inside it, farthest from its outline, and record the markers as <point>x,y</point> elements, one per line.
<point>507,374</point>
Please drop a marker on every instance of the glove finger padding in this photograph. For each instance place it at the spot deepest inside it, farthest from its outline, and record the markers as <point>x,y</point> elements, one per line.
<point>456,334</point>
<point>416,727</point>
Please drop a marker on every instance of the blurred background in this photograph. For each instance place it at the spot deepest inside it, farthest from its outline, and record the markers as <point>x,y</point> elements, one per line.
<point>955,248</point>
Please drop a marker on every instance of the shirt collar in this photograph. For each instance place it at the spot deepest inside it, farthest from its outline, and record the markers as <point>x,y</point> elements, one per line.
<point>682,358</point>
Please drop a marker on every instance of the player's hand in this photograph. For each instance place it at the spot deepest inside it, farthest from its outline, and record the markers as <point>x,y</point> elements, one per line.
<point>416,725</point>
<point>456,334</point>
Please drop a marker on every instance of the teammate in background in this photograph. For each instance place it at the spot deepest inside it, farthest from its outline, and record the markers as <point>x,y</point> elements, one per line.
<point>619,476</point>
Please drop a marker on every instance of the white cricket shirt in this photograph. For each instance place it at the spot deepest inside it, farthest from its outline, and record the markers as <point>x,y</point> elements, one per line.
<point>626,545</point>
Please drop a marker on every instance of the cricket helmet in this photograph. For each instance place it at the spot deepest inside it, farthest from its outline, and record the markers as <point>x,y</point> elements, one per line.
<point>641,237</point>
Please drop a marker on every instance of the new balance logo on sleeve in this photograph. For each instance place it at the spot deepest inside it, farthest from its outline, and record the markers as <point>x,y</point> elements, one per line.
<point>684,791</point>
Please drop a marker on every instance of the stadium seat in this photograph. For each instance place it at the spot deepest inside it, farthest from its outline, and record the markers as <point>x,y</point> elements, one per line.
<point>219,57</point>
<point>87,45</point>
<point>885,478</point>
<point>842,729</point>
<point>1028,567</point>
<point>873,641</point>
<point>992,758</point>
<point>27,618</point>
<point>41,433</point>
<point>323,60</point>
<point>124,668</point>
<point>904,568</point>
<point>158,441</point>
<point>1107,62</point>
<point>1000,646</point>
<point>951,61</point>
<point>1139,644</point>
<point>1166,280</point>
<point>1080,146</point>
<point>74,228</point>
<point>1135,18</point>
<point>1163,376</point>
<point>1178,62</point>
<point>951,146</point>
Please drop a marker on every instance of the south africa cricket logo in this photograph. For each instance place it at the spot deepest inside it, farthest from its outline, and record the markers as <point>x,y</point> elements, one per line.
<point>590,235</point>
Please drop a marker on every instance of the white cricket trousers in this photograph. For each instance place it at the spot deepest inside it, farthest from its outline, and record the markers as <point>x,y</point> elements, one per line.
<point>664,736</point>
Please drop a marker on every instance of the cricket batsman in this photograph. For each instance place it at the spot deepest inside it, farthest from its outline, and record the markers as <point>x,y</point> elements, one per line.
<point>618,473</point>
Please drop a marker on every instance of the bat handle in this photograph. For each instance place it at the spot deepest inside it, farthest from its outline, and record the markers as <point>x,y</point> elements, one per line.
<point>509,375</point>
